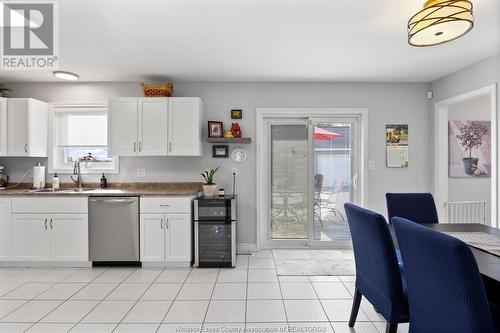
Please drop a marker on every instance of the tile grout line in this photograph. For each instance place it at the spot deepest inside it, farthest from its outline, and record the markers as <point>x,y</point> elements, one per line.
<point>281,292</point>
<point>321,303</point>
<point>149,286</point>
<point>34,299</point>
<point>210,300</point>
<point>175,298</point>
<point>102,300</point>
<point>64,301</point>
<point>27,300</point>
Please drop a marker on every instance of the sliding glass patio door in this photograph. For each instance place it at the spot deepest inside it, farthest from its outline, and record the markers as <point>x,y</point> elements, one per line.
<point>312,168</point>
<point>333,165</point>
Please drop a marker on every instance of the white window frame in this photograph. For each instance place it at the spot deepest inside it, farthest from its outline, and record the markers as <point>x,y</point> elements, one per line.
<point>56,107</point>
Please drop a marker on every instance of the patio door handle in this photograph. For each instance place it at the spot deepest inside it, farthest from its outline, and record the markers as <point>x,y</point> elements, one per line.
<point>355,182</point>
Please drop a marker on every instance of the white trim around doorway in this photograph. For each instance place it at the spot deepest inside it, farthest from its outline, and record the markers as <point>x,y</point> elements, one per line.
<point>441,144</point>
<point>286,113</point>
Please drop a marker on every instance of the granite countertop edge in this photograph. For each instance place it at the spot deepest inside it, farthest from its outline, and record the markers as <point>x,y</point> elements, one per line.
<point>130,189</point>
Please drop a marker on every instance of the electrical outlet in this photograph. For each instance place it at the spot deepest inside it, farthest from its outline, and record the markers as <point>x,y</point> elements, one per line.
<point>141,173</point>
<point>371,165</point>
<point>234,171</point>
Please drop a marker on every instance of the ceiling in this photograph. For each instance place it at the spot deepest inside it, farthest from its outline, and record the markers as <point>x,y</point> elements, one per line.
<point>257,40</point>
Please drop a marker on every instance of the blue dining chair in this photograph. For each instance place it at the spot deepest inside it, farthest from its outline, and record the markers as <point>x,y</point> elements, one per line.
<point>445,291</point>
<point>417,207</point>
<point>378,277</point>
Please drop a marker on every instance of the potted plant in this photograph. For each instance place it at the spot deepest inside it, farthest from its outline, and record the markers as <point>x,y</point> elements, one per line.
<point>470,137</point>
<point>209,185</point>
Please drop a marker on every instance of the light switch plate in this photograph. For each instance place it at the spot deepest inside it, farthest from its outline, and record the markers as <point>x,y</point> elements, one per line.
<point>371,165</point>
<point>141,173</point>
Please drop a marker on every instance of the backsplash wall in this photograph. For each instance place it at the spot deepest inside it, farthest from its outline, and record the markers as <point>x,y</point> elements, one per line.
<point>387,103</point>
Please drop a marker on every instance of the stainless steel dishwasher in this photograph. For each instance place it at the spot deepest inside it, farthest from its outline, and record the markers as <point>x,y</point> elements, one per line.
<point>114,230</point>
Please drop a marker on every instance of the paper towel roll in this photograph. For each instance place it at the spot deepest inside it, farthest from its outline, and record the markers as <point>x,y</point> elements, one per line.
<point>38,176</point>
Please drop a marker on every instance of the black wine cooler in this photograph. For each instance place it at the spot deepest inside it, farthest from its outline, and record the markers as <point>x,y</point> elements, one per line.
<point>215,231</point>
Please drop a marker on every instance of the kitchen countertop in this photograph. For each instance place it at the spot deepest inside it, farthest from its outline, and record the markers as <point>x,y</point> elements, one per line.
<point>114,189</point>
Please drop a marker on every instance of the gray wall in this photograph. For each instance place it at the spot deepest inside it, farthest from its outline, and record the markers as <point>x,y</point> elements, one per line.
<point>387,103</point>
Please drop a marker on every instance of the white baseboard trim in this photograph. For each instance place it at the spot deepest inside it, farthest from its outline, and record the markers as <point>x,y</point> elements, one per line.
<point>246,248</point>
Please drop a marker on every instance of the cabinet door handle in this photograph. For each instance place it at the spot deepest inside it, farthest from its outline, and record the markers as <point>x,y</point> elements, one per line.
<point>140,145</point>
<point>170,146</point>
<point>26,147</point>
<point>45,224</point>
<point>161,223</point>
<point>51,226</point>
<point>135,147</point>
<point>166,223</point>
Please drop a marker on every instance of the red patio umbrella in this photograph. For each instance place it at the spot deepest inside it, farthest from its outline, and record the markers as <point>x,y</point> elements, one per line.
<point>324,134</point>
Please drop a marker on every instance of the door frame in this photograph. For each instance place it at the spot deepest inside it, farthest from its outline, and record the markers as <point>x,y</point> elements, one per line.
<point>261,160</point>
<point>441,144</point>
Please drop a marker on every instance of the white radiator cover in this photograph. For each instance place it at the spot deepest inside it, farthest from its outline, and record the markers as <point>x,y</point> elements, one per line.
<point>466,212</point>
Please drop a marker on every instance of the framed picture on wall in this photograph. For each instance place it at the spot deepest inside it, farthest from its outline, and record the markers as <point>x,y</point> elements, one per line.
<point>236,114</point>
<point>396,141</point>
<point>469,149</point>
<point>220,151</point>
<point>215,129</point>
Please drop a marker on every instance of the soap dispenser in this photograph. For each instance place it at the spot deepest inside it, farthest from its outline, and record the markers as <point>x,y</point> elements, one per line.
<point>104,181</point>
<point>55,182</point>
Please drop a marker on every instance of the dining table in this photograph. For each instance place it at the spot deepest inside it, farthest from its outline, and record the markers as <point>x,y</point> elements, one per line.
<point>488,263</point>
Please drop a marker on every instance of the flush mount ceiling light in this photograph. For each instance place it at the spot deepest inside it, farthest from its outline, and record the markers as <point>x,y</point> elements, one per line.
<point>439,22</point>
<point>66,75</point>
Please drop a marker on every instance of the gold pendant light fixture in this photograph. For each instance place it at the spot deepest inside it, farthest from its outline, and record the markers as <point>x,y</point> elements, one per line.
<point>439,22</point>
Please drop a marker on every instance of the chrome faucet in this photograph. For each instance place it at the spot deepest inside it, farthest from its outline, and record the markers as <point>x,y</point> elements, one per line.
<point>78,173</point>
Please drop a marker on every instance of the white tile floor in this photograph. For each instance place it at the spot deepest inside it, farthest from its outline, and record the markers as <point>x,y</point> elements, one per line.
<point>250,297</point>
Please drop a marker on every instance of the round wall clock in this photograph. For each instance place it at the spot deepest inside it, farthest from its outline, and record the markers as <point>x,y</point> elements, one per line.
<point>239,155</point>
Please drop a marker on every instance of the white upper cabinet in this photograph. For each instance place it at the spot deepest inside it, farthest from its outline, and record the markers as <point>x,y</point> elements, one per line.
<point>27,121</point>
<point>184,130</point>
<point>122,127</point>
<point>3,126</point>
<point>155,126</point>
<point>153,115</point>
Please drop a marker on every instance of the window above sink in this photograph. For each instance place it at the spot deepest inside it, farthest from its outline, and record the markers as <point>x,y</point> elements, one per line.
<point>77,131</point>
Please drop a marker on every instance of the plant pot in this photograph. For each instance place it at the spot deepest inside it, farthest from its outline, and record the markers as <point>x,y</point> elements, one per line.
<point>209,189</point>
<point>470,165</point>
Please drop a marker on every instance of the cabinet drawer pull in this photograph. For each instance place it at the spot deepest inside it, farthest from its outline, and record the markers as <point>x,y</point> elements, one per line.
<point>45,224</point>
<point>164,205</point>
<point>51,227</point>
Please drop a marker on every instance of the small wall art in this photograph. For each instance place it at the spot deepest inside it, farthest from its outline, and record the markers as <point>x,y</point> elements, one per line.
<point>215,129</point>
<point>396,139</point>
<point>220,151</point>
<point>236,114</point>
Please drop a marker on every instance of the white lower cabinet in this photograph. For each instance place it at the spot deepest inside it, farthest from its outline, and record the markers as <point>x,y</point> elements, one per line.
<point>166,231</point>
<point>50,237</point>
<point>152,237</point>
<point>30,237</point>
<point>49,229</point>
<point>166,237</point>
<point>69,237</point>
